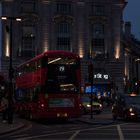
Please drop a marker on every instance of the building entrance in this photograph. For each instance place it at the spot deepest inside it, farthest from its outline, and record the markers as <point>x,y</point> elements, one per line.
<point>101,91</point>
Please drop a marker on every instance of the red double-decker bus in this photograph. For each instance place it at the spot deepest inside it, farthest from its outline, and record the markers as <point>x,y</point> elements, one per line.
<point>48,86</point>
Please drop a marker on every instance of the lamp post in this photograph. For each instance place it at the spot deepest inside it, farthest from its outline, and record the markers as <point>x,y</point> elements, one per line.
<point>137,75</point>
<point>90,74</point>
<point>11,70</point>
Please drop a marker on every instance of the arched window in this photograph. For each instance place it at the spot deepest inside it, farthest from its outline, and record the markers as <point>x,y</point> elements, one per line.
<point>63,27</point>
<point>97,49</point>
<point>64,36</point>
<point>97,30</point>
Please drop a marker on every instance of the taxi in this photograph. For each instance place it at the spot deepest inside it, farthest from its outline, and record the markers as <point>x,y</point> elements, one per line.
<point>86,105</point>
<point>126,107</point>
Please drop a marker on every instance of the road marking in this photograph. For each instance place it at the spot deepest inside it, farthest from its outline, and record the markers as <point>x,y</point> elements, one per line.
<point>46,131</point>
<point>120,132</point>
<point>74,135</point>
<point>59,133</point>
<point>22,135</point>
<point>44,135</point>
<point>75,128</point>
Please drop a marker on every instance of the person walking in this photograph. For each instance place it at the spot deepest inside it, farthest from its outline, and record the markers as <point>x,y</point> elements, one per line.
<point>4,108</point>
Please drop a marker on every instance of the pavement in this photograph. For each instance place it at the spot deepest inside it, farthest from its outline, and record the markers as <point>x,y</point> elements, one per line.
<point>6,128</point>
<point>102,119</point>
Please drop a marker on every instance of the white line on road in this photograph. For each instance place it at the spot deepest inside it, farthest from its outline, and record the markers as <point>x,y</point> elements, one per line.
<point>74,135</point>
<point>43,135</point>
<point>120,132</point>
<point>22,135</point>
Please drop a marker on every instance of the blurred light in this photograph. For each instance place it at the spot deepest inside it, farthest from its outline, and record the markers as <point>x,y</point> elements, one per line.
<point>131,109</point>
<point>58,115</point>
<point>81,55</point>
<point>4,18</point>
<point>137,59</point>
<point>2,87</point>
<point>7,43</point>
<point>11,18</point>
<point>88,105</point>
<point>117,54</point>
<point>133,94</point>
<point>65,114</point>
<point>55,60</point>
<point>42,105</point>
<point>100,105</point>
<point>81,46</point>
<point>136,84</point>
<point>132,114</point>
<point>18,19</point>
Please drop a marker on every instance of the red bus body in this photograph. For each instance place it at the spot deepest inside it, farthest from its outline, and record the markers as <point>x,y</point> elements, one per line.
<point>48,86</point>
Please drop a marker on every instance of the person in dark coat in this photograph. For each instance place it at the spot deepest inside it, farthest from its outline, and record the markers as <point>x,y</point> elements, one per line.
<point>4,108</point>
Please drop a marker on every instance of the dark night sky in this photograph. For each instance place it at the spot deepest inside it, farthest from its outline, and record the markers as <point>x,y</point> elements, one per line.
<point>132,14</point>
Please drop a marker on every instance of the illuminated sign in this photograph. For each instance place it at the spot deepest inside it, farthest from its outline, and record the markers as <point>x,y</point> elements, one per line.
<point>101,76</point>
<point>62,68</point>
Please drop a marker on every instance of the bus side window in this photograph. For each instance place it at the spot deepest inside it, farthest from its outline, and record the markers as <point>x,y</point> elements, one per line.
<point>44,62</point>
<point>39,63</point>
<point>20,95</point>
<point>35,92</point>
<point>35,68</point>
<point>32,66</point>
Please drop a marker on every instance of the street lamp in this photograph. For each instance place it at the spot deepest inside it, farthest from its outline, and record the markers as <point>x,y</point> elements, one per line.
<point>9,30</point>
<point>90,75</point>
<point>137,75</point>
<point>11,70</point>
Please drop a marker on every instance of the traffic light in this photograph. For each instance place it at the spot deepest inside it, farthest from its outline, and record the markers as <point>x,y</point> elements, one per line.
<point>90,73</point>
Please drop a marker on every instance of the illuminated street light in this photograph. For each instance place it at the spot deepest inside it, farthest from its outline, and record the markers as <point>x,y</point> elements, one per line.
<point>136,60</point>
<point>4,18</point>
<point>11,70</point>
<point>14,18</point>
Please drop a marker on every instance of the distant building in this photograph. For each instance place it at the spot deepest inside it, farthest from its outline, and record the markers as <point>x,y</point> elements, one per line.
<point>90,28</point>
<point>132,60</point>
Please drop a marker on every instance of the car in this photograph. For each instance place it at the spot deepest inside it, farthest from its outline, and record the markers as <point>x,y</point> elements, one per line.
<point>86,105</point>
<point>126,107</point>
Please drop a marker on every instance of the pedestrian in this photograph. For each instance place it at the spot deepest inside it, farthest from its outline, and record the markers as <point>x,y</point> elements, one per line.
<point>4,108</point>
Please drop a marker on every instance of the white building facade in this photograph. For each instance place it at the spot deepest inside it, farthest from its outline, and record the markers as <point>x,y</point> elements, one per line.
<point>90,28</point>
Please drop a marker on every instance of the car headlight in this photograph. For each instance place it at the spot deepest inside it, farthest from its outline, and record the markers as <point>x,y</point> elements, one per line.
<point>100,105</point>
<point>112,107</point>
<point>130,109</point>
<point>88,105</point>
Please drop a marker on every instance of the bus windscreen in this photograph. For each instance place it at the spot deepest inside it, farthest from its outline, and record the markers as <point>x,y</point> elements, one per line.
<point>61,75</point>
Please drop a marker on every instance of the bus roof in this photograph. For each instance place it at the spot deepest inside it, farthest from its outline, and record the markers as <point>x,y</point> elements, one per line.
<point>53,53</point>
